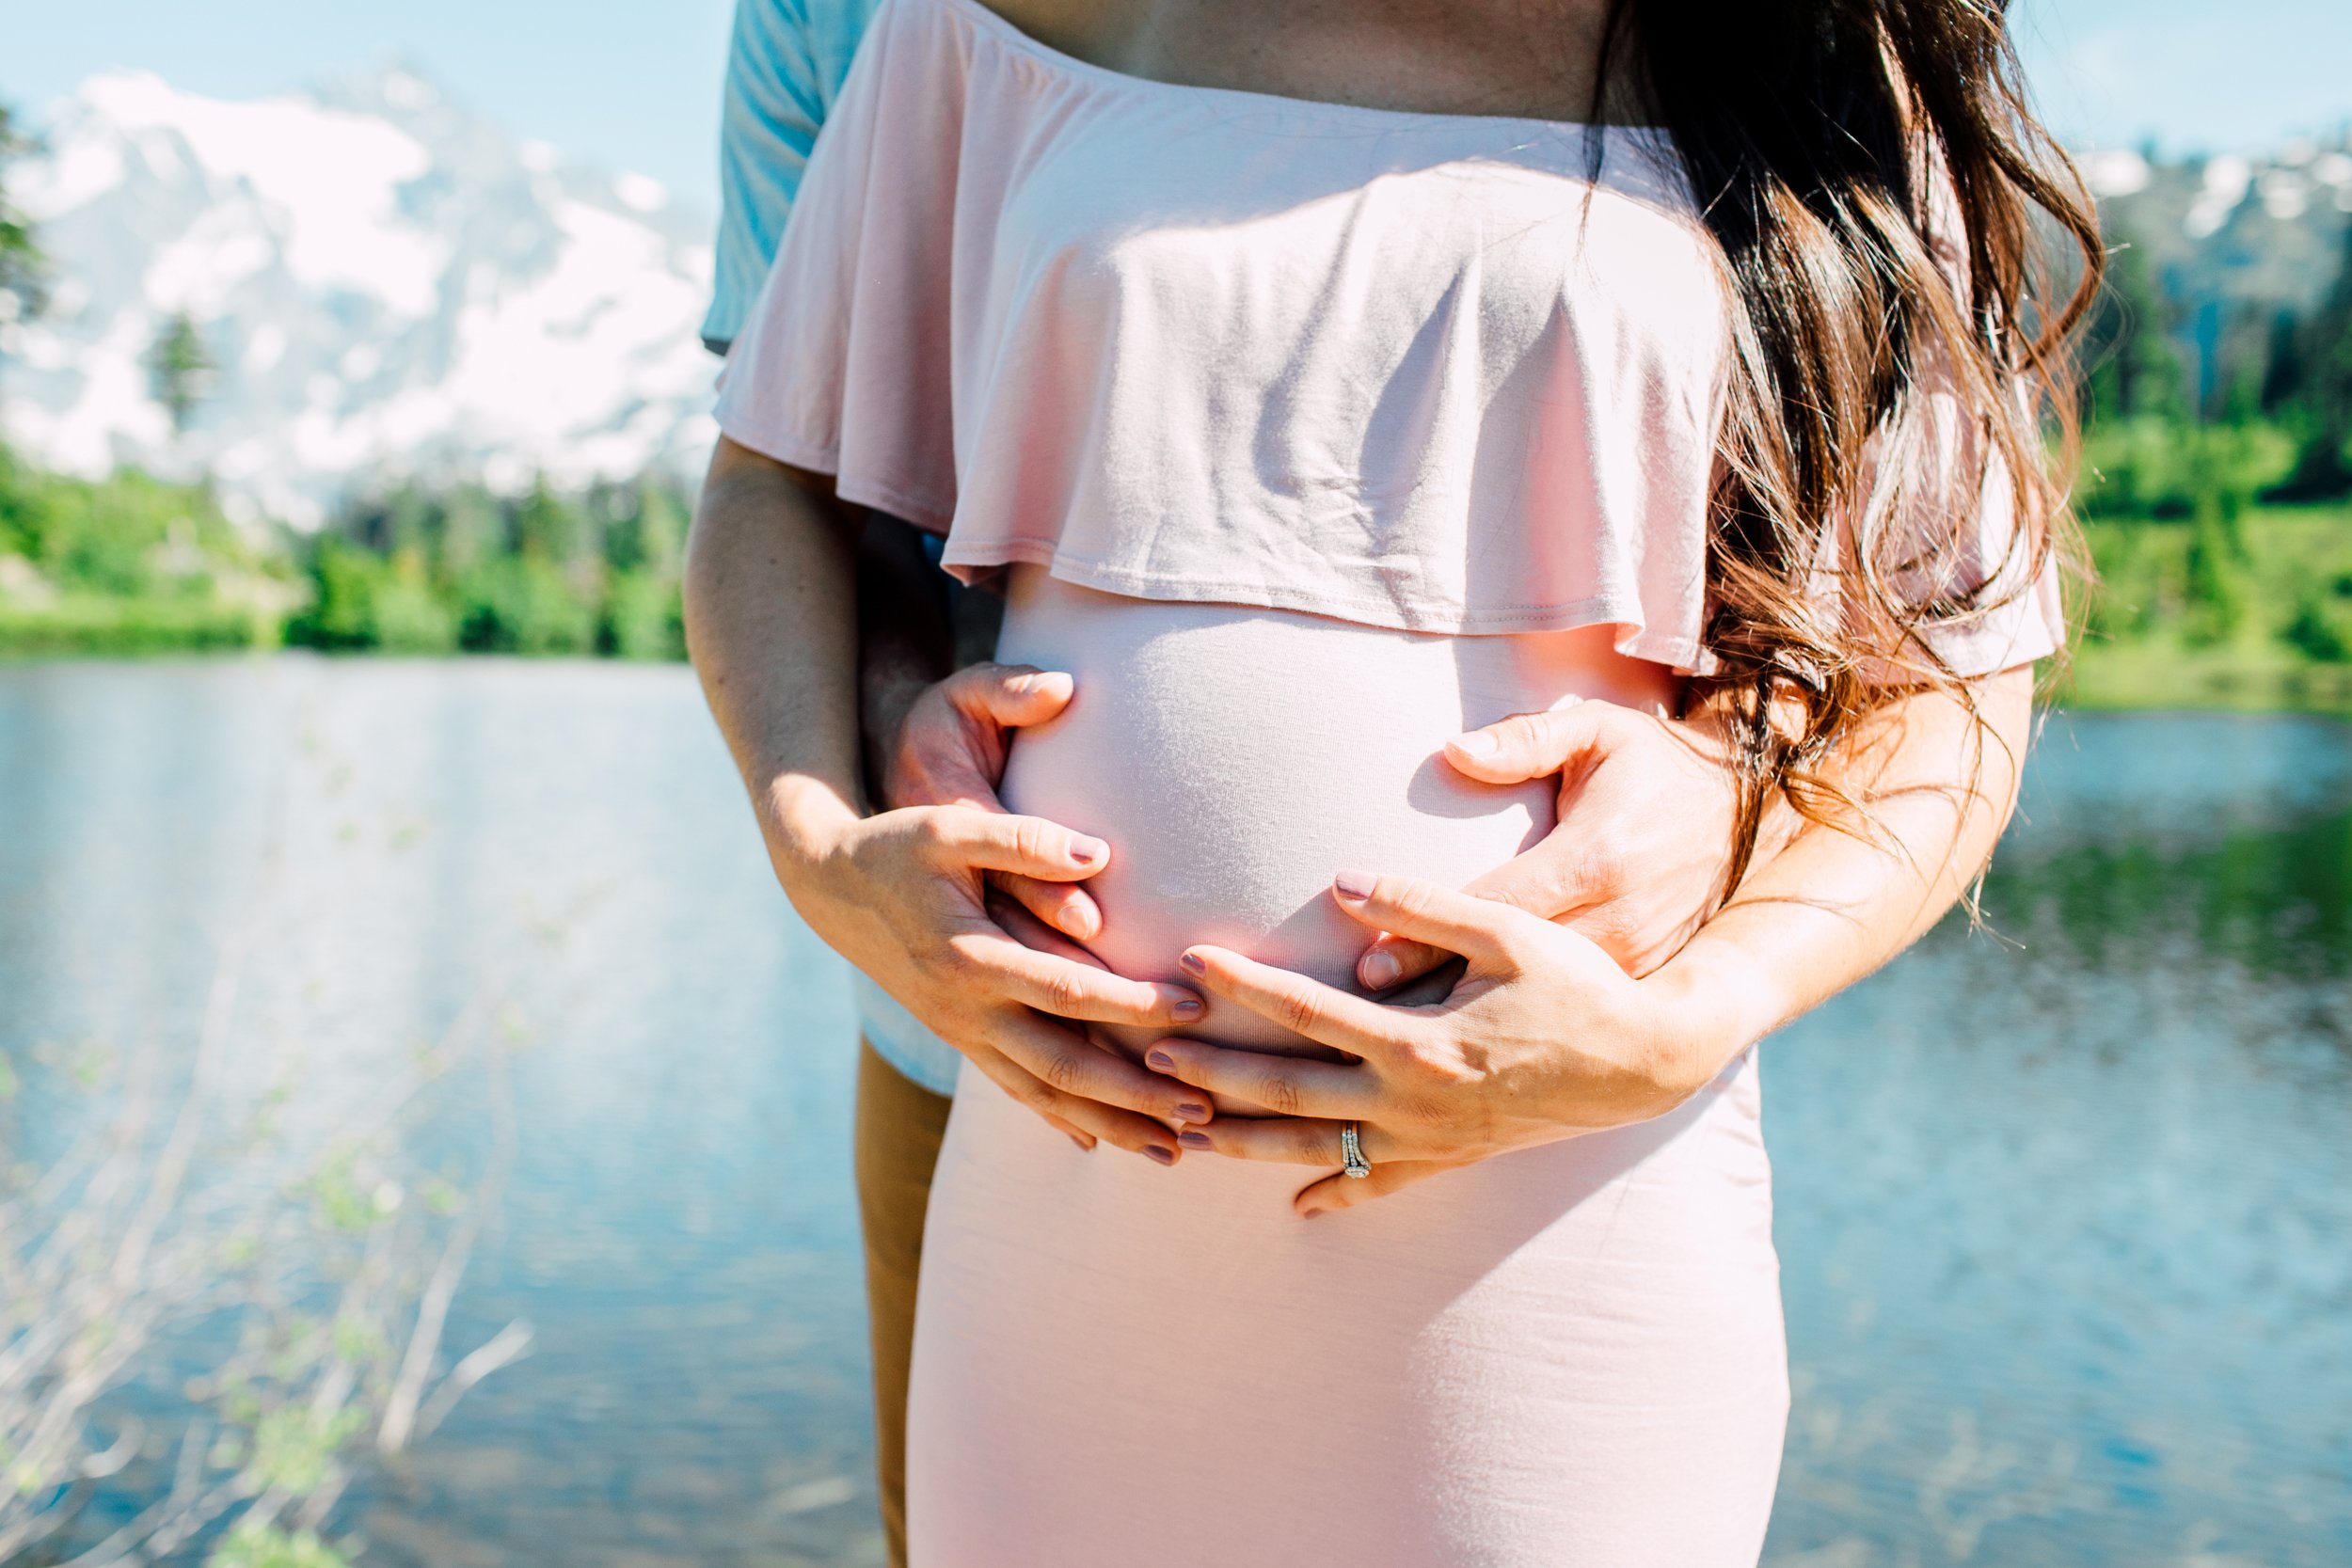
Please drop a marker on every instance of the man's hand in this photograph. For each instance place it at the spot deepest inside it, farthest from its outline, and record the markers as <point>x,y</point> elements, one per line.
<point>901,895</point>
<point>1637,861</point>
<point>1007,989</point>
<point>772,619</point>
<point>948,748</point>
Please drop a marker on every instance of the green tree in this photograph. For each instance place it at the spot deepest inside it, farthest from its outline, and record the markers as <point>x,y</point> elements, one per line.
<point>2282,365</point>
<point>2323,469</point>
<point>2216,589</point>
<point>2135,370</point>
<point>180,370</point>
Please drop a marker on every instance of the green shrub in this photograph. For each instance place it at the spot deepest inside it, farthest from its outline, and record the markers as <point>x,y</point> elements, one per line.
<point>2321,631</point>
<point>135,565</point>
<point>98,625</point>
<point>2215,589</point>
<point>524,605</point>
<point>642,616</point>
<point>341,613</point>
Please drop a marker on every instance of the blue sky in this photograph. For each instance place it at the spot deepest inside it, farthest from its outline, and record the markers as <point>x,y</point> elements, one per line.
<point>635,85</point>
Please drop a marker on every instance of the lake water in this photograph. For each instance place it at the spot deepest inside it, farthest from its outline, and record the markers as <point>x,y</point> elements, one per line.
<point>2064,1208</point>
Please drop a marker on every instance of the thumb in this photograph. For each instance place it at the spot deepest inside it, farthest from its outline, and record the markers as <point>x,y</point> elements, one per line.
<point>1008,696</point>
<point>1534,745</point>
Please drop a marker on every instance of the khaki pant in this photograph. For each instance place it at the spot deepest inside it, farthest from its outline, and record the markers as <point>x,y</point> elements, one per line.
<point>900,1124</point>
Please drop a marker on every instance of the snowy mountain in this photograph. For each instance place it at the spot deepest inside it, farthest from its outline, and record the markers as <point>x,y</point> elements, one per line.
<point>2266,230</point>
<point>384,283</point>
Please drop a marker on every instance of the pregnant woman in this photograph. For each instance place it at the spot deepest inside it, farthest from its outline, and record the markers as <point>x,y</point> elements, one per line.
<point>1320,382</point>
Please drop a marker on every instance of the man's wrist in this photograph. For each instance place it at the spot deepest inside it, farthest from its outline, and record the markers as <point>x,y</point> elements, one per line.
<point>803,820</point>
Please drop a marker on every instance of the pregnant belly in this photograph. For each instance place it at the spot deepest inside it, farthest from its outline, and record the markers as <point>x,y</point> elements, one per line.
<point>1235,758</point>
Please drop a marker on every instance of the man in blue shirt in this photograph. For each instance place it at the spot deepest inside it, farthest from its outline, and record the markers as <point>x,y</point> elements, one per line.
<point>785,67</point>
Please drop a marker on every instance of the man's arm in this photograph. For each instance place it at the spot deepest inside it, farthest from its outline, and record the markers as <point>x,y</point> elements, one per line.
<point>772,623</point>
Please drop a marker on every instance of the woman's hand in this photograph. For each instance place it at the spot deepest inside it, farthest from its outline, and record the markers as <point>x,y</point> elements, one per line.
<point>1637,860</point>
<point>1544,1037</point>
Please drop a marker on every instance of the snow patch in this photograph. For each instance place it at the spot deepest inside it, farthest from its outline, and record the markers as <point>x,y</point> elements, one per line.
<point>641,193</point>
<point>2119,172</point>
<point>331,178</point>
<point>2225,184</point>
<point>81,171</point>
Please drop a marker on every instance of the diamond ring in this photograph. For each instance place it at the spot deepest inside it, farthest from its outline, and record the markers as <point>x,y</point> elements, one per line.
<point>1352,1150</point>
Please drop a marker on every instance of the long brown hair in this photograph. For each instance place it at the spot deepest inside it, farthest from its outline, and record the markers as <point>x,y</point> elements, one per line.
<point>1879,187</point>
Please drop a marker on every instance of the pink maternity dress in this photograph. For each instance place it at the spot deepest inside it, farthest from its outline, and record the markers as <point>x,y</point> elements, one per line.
<point>1305,437</point>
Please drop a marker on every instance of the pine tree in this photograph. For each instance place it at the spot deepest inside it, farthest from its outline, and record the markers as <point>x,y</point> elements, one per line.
<point>2135,370</point>
<point>2323,471</point>
<point>2283,364</point>
<point>22,271</point>
<point>180,370</point>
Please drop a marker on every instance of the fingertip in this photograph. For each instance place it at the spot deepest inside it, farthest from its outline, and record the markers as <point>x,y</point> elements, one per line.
<point>1378,969</point>
<point>1088,851</point>
<point>1355,886</point>
<point>1052,684</point>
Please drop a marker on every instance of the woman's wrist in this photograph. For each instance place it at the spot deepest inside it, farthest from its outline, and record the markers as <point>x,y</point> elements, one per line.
<point>1719,1002</point>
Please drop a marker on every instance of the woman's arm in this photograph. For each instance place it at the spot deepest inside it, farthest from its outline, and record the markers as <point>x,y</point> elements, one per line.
<point>1830,906</point>
<point>772,623</point>
<point>1547,1037</point>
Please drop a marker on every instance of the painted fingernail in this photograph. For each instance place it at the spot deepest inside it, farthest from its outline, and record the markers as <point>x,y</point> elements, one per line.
<point>1194,1140</point>
<point>1189,1008</point>
<point>1164,1156</point>
<point>1478,743</point>
<point>1380,970</point>
<point>1354,884</point>
<point>1086,851</point>
<point>1189,1111</point>
<point>1159,1061</point>
<point>1192,963</point>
